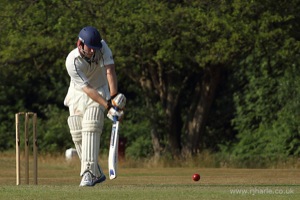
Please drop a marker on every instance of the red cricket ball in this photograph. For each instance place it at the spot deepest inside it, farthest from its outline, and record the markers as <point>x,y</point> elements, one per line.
<point>196,177</point>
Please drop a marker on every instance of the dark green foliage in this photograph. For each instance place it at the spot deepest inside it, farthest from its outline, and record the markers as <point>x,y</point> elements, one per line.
<point>267,103</point>
<point>54,133</point>
<point>166,53</point>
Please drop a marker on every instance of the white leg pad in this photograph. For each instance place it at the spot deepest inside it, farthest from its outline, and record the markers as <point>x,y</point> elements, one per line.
<point>92,126</point>
<point>74,123</point>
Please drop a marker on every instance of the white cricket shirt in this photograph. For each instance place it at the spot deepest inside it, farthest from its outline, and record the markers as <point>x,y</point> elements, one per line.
<point>83,73</point>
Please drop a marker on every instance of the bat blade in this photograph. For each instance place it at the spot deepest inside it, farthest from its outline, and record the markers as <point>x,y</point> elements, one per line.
<point>113,151</point>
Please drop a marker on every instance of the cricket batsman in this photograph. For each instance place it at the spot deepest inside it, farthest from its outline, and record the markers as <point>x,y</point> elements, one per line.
<point>93,90</point>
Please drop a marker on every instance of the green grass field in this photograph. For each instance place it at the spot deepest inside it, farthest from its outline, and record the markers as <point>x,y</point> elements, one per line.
<point>59,179</point>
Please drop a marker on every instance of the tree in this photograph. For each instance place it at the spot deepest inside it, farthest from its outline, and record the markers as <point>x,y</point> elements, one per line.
<point>266,104</point>
<point>33,78</point>
<point>178,51</point>
<point>175,60</point>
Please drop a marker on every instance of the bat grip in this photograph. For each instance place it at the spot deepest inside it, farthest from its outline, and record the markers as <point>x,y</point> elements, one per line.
<point>115,117</point>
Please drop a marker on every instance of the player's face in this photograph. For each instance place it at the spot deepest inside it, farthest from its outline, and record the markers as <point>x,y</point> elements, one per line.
<point>89,52</point>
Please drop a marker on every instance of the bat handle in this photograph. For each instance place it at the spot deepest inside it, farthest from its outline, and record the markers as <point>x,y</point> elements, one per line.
<point>115,117</point>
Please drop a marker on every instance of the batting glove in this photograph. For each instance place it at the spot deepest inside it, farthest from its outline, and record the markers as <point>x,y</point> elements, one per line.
<point>118,101</point>
<point>113,112</point>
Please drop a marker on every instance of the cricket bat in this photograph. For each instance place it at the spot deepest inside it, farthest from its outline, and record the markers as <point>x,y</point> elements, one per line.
<point>113,149</point>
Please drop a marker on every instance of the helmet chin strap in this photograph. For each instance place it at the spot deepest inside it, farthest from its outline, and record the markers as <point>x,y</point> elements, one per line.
<point>83,53</point>
<point>91,59</point>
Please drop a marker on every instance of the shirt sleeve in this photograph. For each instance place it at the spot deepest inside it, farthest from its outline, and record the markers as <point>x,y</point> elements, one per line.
<point>76,70</point>
<point>107,57</point>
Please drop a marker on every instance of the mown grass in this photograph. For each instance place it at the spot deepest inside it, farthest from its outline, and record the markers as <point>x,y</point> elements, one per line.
<point>59,179</point>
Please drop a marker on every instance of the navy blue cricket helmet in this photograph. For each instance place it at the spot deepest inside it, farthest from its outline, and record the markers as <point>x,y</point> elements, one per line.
<point>90,37</point>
